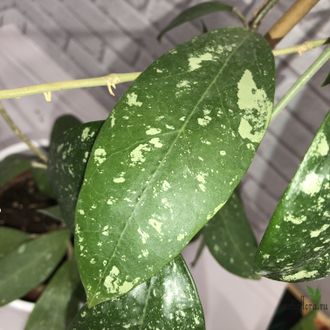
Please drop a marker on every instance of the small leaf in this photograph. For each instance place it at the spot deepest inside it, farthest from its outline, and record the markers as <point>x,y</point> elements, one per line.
<point>63,124</point>
<point>307,322</point>
<point>10,239</point>
<point>169,300</point>
<point>39,172</point>
<point>194,12</point>
<point>58,304</point>
<point>11,167</point>
<point>53,212</point>
<point>313,296</point>
<point>169,156</point>
<point>68,157</point>
<point>310,289</point>
<point>230,239</point>
<point>326,81</point>
<point>317,292</point>
<point>314,300</point>
<point>30,264</point>
<point>319,298</point>
<point>296,245</point>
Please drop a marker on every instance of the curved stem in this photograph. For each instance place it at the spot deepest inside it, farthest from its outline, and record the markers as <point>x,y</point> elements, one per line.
<point>308,74</point>
<point>21,135</point>
<point>109,81</point>
<point>308,45</point>
<point>261,13</point>
<point>241,17</point>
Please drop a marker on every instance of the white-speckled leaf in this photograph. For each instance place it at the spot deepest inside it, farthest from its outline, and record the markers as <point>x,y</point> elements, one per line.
<point>230,239</point>
<point>167,301</point>
<point>169,156</point>
<point>30,264</point>
<point>296,245</point>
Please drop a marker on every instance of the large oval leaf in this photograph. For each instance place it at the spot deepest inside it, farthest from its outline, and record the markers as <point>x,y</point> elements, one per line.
<point>169,300</point>
<point>169,156</point>
<point>10,239</point>
<point>230,239</point>
<point>67,162</point>
<point>59,303</point>
<point>30,264</point>
<point>194,12</point>
<point>296,245</point>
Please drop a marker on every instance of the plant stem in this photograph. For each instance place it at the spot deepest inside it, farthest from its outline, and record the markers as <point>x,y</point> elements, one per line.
<point>298,10</point>
<point>199,251</point>
<point>261,13</point>
<point>241,17</point>
<point>109,81</point>
<point>308,45</point>
<point>21,135</point>
<point>308,74</point>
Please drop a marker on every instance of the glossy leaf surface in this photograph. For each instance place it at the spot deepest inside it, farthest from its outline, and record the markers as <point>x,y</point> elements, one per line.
<point>58,304</point>
<point>39,172</point>
<point>53,212</point>
<point>326,81</point>
<point>169,156</point>
<point>169,300</point>
<point>194,12</point>
<point>63,124</point>
<point>230,239</point>
<point>296,244</point>
<point>10,167</point>
<point>30,264</point>
<point>10,239</point>
<point>67,162</point>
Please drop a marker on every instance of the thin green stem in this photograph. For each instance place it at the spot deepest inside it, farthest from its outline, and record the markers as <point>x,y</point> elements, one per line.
<point>305,46</point>
<point>109,81</point>
<point>241,17</point>
<point>261,13</point>
<point>301,82</point>
<point>20,134</point>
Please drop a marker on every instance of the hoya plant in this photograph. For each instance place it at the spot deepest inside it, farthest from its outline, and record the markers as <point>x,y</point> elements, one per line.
<point>162,169</point>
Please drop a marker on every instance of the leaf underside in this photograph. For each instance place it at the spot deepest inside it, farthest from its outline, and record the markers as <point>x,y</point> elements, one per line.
<point>169,156</point>
<point>30,264</point>
<point>194,12</point>
<point>230,239</point>
<point>296,244</point>
<point>169,300</point>
<point>68,157</point>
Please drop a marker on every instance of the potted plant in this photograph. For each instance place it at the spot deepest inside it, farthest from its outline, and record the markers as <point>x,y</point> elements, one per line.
<point>135,189</point>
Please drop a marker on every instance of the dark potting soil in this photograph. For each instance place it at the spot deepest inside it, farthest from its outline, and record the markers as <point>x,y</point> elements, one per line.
<point>19,203</point>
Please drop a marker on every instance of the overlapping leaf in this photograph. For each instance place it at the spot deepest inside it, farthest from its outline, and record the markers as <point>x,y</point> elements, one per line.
<point>59,303</point>
<point>169,156</point>
<point>194,12</point>
<point>30,264</point>
<point>63,124</point>
<point>169,300</point>
<point>68,157</point>
<point>39,172</point>
<point>10,239</point>
<point>326,81</point>
<point>52,212</point>
<point>10,167</point>
<point>296,244</point>
<point>230,239</point>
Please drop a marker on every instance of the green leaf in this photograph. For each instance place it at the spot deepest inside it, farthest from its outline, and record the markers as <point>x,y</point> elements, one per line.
<point>63,124</point>
<point>319,298</point>
<point>68,157</point>
<point>11,167</point>
<point>317,292</point>
<point>39,172</point>
<point>194,12</point>
<point>58,304</point>
<point>10,239</point>
<point>307,322</point>
<point>53,212</point>
<point>296,245</point>
<point>169,156</point>
<point>230,239</point>
<point>310,289</point>
<point>326,81</point>
<point>169,300</point>
<point>30,264</point>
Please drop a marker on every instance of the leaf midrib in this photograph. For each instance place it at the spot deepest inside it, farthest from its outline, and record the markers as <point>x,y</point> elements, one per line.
<point>170,148</point>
